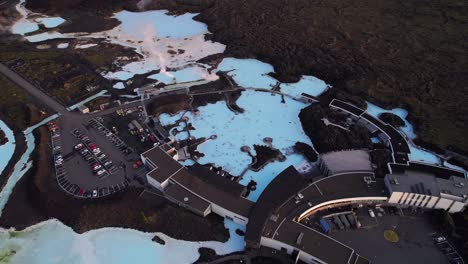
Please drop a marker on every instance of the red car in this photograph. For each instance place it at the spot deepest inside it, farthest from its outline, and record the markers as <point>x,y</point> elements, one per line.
<point>136,164</point>
<point>81,191</point>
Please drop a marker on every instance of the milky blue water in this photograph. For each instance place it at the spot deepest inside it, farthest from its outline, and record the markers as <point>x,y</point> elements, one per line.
<point>23,164</point>
<point>268,173</point>
<point>119,86</point>
<point>417,153</point>
<point>188,74</point>
<point>249,72</point>
<point>307,84</point>
<point>264,116</point>
<point>166,26</point>
<point>52,242</point>
<point>75,106</point>
<point>375,111</point>
<point>24,27</point>
<point>50,22</point>
<point>7,149</point>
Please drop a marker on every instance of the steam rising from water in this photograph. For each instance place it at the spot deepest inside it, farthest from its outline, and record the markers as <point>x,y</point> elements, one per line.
<point>149,48</point>
<point>142,4</point>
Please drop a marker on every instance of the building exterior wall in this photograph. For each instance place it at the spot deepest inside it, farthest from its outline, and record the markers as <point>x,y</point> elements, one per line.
<point>395,197</point>
<point>432,202</point>
<point>425,201</point>
<point>443,204</point>
<point>190,208</point>
<point>457,207</point>
<point>154,183</point>
<point>221,211</point>
<point>344,200</point>
<point>275,244</point>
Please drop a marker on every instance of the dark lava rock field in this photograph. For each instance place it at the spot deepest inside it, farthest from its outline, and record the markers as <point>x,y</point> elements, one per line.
<point>410,54</point>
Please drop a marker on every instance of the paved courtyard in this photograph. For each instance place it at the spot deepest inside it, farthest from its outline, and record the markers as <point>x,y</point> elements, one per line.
<point>414,244</point>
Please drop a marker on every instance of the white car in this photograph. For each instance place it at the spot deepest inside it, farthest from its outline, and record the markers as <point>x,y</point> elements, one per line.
<point>79,146</point>
<point>101,172</point>
<point>371,213</point>
<point>97,151</point>
<point>95,193</point>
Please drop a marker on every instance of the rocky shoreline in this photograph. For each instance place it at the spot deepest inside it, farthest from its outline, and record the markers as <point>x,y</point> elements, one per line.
<point>3,138</point>
<point>361,53</point>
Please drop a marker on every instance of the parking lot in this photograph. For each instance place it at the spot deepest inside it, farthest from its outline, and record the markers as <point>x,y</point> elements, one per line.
<point>392,236</point>
<point>93,162</point>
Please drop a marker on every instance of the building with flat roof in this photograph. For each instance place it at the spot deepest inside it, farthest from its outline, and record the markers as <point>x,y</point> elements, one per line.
<point>336,162</point>
<point>160,160</point>
<point>275,219</point>
<point>424,190</point>
<point>198,189</point>
<point>186,199</point>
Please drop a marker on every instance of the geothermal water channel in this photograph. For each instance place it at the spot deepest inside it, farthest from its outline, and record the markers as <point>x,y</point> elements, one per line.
<point>7,149</point>
<point>23,164</point>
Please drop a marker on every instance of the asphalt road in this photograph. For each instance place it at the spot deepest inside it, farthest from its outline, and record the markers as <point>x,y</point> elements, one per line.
<point>45,99</point>
<point>33,90</point>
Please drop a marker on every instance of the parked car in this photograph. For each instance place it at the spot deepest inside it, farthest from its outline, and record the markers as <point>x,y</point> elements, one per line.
<point>371,213</point>
<point>79,146</point>
<point>101,172</point>
<point>95,193</point>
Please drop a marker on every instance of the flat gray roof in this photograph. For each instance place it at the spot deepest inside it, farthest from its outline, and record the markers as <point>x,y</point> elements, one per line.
<point>428,184</point>
<point>186,197</point>
<point>166,166</point>
<point>347,160</point>
<point>313,242</point>
<point>211,191</point>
